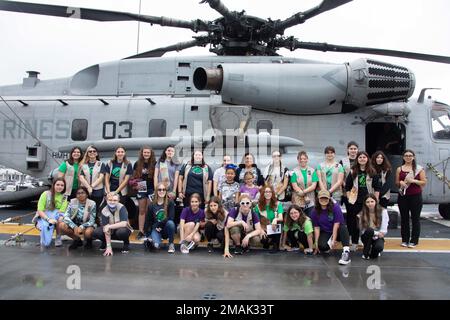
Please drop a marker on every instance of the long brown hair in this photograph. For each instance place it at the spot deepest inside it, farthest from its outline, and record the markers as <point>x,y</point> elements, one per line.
<point>370,171</point>
<point>151,162</point>
<point>385,166</point>
<point>125,160</point>
<point>365,213</point>
<point>220,211</point>
<point>71,160</point>
<point>318,207</point>
<point>301,219</point>
<point>203,158</point>
<point>53,192</point>
<point>262,201</point>
<point>414,164</point>
<point>165,199</point>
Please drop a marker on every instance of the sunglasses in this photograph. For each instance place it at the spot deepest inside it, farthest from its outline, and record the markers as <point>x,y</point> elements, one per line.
<point>245,203</point>
<point>92,151</point>
<point>161,189</point>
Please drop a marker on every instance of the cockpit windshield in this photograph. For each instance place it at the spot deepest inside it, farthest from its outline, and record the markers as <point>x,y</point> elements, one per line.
<point>440,123</point>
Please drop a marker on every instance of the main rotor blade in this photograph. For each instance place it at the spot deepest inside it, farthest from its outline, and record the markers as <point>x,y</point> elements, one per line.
<point>199,41</point>
<point>221,8</point>
<point>99,15</point>
<point>293,44</point>
<point>301,17</point>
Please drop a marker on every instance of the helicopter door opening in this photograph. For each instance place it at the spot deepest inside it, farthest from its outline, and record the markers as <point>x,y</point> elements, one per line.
<point>390,138</point>
<point>385,136</point>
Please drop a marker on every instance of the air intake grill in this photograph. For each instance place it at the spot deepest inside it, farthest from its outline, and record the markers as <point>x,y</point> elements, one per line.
<point>373,82</point>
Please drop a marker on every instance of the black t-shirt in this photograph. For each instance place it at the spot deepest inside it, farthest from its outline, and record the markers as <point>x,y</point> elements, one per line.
<point>195,178</point>
<point>362,185</point>
<point>115,174</point>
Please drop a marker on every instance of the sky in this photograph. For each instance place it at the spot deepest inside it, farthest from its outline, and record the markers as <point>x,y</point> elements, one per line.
<point>59,47</point>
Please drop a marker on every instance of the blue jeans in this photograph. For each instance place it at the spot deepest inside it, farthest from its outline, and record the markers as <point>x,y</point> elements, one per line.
<point>167,232</point>
<point>46,228</point>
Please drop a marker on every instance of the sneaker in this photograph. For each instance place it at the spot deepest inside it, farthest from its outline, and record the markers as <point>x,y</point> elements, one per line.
<point>210,247</point>
<point>404,244</point>
<point>354,247</point>
<point>148,244</point>
<point>75,244</point>
<point>191,245</point>
<point>238,250</point>
<point>88,244</point>
<point>412,245</point>
<point>345,258</point>
<point>171,248</point>
<point>140,236</point>
<point>126,248</point>
<point>183,248</point>
<point>58,241</point>
<point>293,249</point>
<point>308,251</point>
<point>365,257</point>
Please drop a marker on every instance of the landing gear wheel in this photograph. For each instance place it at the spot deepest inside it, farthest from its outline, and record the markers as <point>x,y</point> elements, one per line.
<point>444,210</point>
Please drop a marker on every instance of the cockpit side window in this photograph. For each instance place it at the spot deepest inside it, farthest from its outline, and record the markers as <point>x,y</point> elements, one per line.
<point>440,124</point>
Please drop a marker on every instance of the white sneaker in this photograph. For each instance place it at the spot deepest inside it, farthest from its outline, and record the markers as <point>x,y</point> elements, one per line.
<point>171,248</point>
<point>354,247</point>
<point>58,241</point>
<point>345,258</point>
<point>404,244</point>
<point>183,248</point>
<point>412,245</point>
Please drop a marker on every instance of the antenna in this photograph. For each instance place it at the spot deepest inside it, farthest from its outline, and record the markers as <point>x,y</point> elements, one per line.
<point>139,29</point>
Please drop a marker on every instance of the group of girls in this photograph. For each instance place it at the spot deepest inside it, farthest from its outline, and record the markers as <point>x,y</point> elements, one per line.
<point>243,205</point>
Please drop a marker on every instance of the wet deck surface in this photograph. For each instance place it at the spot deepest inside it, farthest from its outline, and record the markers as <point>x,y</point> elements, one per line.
<point>26,272</point>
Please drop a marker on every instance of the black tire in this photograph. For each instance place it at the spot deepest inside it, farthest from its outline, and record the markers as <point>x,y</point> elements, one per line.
<point>444,210</point>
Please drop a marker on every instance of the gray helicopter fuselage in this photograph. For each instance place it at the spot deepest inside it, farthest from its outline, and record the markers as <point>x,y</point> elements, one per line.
<point>156,99</point>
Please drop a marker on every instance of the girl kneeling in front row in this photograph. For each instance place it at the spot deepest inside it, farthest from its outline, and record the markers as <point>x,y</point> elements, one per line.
<point>216,217</point>
<point>329,226</point>
<point>299,229</point>
<point>192,220</point>
<point>374,221</point>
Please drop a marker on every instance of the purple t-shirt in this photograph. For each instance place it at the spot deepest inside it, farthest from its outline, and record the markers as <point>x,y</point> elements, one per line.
<point>325,220</point>
<point>188,216</point>
<point>250,191</point>
<point>234,213</point>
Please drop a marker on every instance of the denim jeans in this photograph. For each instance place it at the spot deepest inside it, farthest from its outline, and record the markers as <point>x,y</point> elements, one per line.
<point>167,232</point>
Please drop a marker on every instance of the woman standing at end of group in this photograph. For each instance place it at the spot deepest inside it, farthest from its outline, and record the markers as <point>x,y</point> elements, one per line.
<point>410,179</point>
<point>69,170</point>
<point>143,170</point>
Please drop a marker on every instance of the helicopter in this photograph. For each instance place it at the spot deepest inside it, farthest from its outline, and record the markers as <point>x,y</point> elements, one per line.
<point>246,97</point>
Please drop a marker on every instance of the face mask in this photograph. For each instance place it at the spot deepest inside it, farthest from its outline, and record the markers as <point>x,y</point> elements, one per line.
<point>112,206</point>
